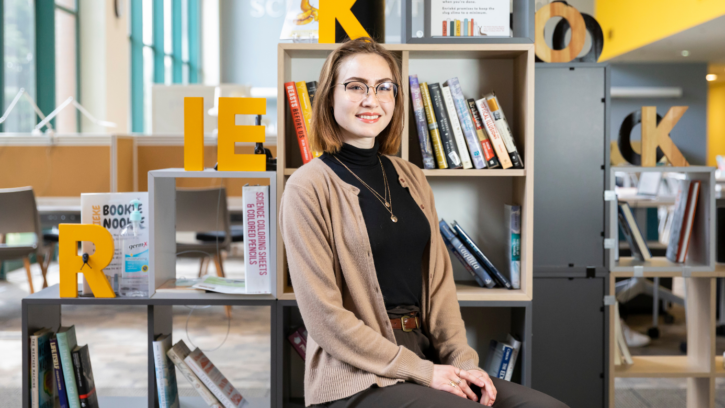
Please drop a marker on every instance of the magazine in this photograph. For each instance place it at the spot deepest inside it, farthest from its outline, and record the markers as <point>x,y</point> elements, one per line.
<point>222,285</point>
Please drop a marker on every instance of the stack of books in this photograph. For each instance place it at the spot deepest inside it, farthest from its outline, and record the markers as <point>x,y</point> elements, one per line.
<point>300,96</point>
<point>60,371</point>
<point>459,133</point>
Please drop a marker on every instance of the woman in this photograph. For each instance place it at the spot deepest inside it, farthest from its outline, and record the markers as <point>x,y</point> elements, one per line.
<point>372,276</point>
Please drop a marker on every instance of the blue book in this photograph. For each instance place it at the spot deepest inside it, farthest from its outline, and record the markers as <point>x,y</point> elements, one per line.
<point>463,261</point>
<point>507,351</point>
<point>66,337</point>
<point>58,374</point>
<point>487,265</point>
<point>426,147</point>
<point>165,373</point>
<point>466,254</point>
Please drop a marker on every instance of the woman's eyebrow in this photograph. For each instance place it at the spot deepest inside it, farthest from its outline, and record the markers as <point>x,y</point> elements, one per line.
<point>365,81</point>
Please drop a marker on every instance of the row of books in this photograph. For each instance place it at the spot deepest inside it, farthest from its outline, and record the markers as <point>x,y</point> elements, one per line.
<point>483,271</point>
<point>300,96</point>
<point>501,358</point>
<point>455,132</point>
<point>677,228</point>
<point>195,366</point>
<point>60,371</point>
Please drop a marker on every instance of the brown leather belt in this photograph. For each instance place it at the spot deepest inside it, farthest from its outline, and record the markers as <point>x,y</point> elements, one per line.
<point>407,323</point>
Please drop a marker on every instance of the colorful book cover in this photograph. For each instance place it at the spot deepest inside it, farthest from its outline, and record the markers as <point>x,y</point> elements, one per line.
<point>301,21</point>
<point>42,369</point>
<point>444,126</point>
<point>426,149</point>
<point>476,251</point>
<point>165,374</point>
<point>58,380</point>
<point>84,377</point>
<point>447,232</point>
<point>255,200</point>
<point>513,218</point>
<point>298,120</point>
<point>469,131</point>
<point>214,380</point>
<point>486,146</point>
<point>502,125</point>
<point>456,127</point>
<point>435,134</point>
<point>66,337</point>
<point>498,144</point>
<point>177,354</point>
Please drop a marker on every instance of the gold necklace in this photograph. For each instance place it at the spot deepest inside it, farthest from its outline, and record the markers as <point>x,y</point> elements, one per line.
<point>384,201</point>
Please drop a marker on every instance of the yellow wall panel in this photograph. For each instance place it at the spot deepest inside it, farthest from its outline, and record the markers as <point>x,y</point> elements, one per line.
<point>124,164</point>
<point>715,122</point>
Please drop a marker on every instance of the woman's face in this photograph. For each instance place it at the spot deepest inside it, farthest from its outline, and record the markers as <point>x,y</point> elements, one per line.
<point>361,121</point>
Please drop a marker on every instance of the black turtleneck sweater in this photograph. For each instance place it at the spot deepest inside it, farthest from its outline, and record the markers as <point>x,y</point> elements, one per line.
<point>397,246</point>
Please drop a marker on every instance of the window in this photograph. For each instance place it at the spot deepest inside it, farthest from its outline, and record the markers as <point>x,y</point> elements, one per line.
<point>18,62</point>
<point>164,50</point>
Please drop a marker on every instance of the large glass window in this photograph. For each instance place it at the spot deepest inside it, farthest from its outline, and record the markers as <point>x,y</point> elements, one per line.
<point>66,64</point>
<point>18,62</point>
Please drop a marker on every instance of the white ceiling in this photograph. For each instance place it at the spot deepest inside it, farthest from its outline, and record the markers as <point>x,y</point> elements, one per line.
<point>705,43</point>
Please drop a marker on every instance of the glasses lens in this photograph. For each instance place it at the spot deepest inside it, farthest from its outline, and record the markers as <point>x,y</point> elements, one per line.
<point>356,91</point>
<point>386,91</point>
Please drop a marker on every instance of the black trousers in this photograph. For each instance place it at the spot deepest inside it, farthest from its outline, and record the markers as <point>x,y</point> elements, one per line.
<point>410,395</point>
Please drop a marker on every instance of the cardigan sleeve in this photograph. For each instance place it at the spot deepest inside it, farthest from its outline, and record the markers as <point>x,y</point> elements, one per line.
<point>304,227</point>
<point>446,326</point>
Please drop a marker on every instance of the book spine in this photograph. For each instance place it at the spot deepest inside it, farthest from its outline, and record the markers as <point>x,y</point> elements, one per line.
<point>435,135</point>
<point>66,362</point>
<point>689,219</point>
<point>463,261</point>
<point>456,127</point>
<point>214,379</point>
<point>299,121</point>
<point>504,130</point>
<point>505,362</point>
<point>486,146</point>
<point>426,149</point>
<point>496,140</point>
<point>513,216</point>
<point>312,90</point>
<point>444,126</point>
<point>256,243</point>
<point>78,370</point>
<point>58,374</point>
<point>45,372</point>
<point>299,343</point>
<point>204,392</point>
<point>516,345</point>
<point>487,265</point>
<point>306,105</point>
<point>162,373</point>
<point>466,123</point>
<point>470,259</point>
<point>210,385</point>
<point>34,392</point>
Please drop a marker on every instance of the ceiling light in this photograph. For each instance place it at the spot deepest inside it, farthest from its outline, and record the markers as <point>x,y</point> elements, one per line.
<point>685,53</point>
<point>711,77</point>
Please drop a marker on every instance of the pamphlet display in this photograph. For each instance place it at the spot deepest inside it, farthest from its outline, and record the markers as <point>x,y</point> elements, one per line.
<point>471,18</point>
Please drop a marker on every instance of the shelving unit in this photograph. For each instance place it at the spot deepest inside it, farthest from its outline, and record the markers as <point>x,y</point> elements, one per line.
<point>700,366</point>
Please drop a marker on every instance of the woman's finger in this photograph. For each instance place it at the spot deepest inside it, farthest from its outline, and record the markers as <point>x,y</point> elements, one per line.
<point>463,385</point>
<point>485,400</point>
<point>456,390</point>
<point>471,378</point>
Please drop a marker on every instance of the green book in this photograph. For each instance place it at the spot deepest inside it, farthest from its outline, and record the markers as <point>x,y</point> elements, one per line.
<point>66,337</point>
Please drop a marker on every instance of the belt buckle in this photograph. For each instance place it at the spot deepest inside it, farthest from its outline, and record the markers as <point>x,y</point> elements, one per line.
<point>404,319</point>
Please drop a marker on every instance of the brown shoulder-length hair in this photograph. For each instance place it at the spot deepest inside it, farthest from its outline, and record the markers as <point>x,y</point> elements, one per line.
<point>325,132</point>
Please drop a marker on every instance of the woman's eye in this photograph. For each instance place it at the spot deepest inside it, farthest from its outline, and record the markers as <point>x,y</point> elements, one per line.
<point>354,87</point>
<point>385,88</point>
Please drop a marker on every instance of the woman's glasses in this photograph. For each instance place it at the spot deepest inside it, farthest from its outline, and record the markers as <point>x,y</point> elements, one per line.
<point>356,91</point>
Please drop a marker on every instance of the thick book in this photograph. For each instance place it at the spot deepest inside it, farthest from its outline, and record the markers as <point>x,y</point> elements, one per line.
<point>496,141</point>
<point>177,354</point>
<point>516,345</point>
<point>512,216</point>
<point>444,127</point>
<point>298,120</point>
<point>435,134</point>
<point>255,201</point>
<point>456,126</point>
<point>299,342</point>
<point>66,343</point>
<point>84,377</point>
<point>633,234</point>
<point>58,380</point>
<point>469,130</point>
<point>466,254</point>
<point>497,359</point>
<point>166,386</point>
<point>486,146</point>
<point>41,367</point>
<point>504,130</point>
<point>214,380</point>
<point>462,261</point>
<point>426,148</point>
<point>476,251</point>
<point>689,220</point>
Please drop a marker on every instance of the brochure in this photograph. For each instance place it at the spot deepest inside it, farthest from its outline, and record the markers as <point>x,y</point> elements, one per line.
<point>222,285</point>
<point>470,18</point>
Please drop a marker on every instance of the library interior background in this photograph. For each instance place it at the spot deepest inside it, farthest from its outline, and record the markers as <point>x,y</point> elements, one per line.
<point>576,151</point>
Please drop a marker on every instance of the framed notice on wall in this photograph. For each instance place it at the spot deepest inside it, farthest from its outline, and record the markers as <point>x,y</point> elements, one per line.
<point>470,18</point>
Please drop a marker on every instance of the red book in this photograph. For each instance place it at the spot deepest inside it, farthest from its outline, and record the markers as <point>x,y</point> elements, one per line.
<point>444,29</point>
<point>298,339</point>
<point>299,120</point>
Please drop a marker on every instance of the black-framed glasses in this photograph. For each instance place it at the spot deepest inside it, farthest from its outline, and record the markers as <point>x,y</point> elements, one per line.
<point>356,91</point>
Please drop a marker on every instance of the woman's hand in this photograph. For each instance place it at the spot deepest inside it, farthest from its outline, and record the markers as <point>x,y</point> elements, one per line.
<point>480,378</point>
<point>454,380</point>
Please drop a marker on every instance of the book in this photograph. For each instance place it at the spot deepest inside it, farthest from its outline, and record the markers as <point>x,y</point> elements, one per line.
<point>177,354</point>
<point>476,251</point>
<point>66,337</point>
<point>165,374</point>
<point>311,91</point>
<point>622,350</point>
<point>41,369</point>
<point>486,146</point>
<point>504,130</point>
<point>179,286</point>
<point>435,135</point>
<point>689,220</point>
<point>467,126</point>
<point>256,239</point>
<point>84,377</point>
<point>497,359</point>
<point>512,215</point>
<point>112,211</point>
<point>516,345</point>
<point>298,120</point>
<point>496,141</point>
<point>426,149</point>
<point>456,127</point>
<point>59,381</point>
<point>678,218</point>
<point>214,380</point>
<point>306,107</point>
<point>463,262</point>
<point>632,232</point>
<point>299,341</point>
<point>467,256</point>
<point>444,127</point>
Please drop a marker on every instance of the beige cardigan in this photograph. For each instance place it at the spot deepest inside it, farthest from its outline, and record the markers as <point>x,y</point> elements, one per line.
<point>350,343</point>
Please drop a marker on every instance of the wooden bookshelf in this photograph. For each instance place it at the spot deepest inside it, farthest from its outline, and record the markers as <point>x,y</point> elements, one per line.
<point>475,198</point>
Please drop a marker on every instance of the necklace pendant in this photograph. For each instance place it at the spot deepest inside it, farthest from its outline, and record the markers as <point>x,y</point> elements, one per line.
<point>387,205</point>
<point>394,218</point>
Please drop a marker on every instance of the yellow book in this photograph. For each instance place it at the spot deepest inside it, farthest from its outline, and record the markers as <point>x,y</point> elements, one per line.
<point>435,134</point>
<point>458,28</point>
<point>306,106</point>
